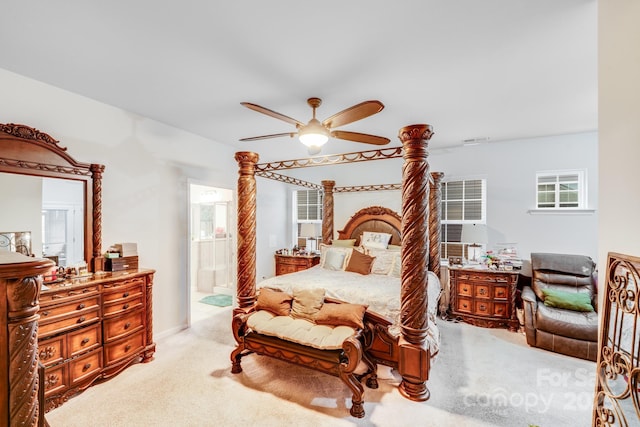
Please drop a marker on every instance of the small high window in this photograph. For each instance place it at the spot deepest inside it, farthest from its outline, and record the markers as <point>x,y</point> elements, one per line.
<point>561,190</point>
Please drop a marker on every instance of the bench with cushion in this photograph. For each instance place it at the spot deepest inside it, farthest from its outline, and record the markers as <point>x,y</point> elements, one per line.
<point>306,329</point>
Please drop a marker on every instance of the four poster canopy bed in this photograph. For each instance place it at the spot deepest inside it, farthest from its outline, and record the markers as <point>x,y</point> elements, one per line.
<point>336,317</point>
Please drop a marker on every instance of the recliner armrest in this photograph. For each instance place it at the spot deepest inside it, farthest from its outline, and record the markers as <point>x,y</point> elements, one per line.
<point>528,295</point>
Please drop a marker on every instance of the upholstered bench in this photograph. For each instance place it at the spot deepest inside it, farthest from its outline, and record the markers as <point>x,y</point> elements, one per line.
<point>329,347</point>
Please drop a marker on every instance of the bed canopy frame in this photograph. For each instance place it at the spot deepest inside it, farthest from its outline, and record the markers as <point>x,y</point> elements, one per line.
<point>420,223</point>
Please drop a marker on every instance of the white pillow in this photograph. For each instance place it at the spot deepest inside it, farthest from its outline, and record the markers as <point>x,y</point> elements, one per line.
<point>396,267</point>
<point>375,240</point>
<point>334,260</point>
<point>326,249</point>
<point>383,262</point>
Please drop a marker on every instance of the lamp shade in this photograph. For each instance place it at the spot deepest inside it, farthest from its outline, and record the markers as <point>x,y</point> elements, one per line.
<point>308,230</point>
<point>474,234</point>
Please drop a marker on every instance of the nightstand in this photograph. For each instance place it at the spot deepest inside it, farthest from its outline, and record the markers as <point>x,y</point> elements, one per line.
<point>483,297</point>
<point>292,263</point>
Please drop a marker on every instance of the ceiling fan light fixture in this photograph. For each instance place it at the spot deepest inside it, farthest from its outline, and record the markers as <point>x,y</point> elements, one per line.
<point>313,134</point>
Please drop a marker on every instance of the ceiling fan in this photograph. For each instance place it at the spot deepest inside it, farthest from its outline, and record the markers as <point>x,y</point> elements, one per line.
<point>315,134</point>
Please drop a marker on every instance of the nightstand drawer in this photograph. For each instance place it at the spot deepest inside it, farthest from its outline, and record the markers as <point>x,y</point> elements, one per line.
<point>483,291</point>
<point>465,305</point>
<point>483,308</point>
<point>465,289</point>
<point>501,292</point>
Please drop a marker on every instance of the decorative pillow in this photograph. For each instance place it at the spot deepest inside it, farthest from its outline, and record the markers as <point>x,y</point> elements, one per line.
<point>325,249</point>
<point>274,301</point>
<point>375,240</point>
<point>576,301</point>
<point>341,315</point>
<point>307,303</point>
<point>359,263</point>
<point>334,260</point>
<point>396,268</point>
<point>346,243</point>
<point>383,262</point>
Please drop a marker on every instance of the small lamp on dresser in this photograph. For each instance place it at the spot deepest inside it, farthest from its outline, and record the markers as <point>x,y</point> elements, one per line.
<point>474,235</point>
<point>308,232</point>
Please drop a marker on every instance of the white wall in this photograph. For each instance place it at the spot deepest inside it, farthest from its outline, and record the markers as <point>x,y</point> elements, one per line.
<point>619,127</point>
<point>145,189</point>
<point>510,170</point>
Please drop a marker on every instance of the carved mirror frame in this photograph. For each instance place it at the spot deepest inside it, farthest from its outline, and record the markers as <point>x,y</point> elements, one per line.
<point>27,151</point>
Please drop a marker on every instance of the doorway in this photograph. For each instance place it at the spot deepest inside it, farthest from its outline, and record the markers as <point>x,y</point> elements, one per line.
<point>211,278</point>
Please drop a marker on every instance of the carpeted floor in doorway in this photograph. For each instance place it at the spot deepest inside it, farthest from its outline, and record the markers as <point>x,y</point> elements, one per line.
<point>217,300</point>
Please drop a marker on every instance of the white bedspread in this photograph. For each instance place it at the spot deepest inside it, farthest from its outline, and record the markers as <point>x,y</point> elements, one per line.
<point>380,292</point>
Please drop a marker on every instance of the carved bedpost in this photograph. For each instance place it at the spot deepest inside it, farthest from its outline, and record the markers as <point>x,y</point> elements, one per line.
<point>435,203</point>
<point>96,176</point>
<point>327,212</point>
<point>20,281</point>
<point>414,357</point>
<point>246,287</point>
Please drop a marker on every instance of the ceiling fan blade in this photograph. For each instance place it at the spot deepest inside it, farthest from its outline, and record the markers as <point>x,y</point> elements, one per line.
<point>274,135</point>
<point>354,113</point>
<point>272,113</point>
<point>360,137</point>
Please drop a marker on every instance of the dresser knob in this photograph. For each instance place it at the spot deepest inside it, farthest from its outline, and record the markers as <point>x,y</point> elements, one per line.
<point>81,306</point>
<point>124,307</point>
<point>82,319</point>
<point>126,294</point>
<point>85,341</point>
<point>86,366</point>
<point>127,325</point>
<point>45,313</point>
<point>127,347</point>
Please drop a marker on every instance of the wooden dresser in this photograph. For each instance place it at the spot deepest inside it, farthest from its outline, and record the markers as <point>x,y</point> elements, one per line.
<point>483,297</point>
<point>91,329</point>
<point>292,263</point>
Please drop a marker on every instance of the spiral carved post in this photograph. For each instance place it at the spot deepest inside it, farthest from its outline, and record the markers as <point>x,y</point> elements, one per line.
<point>414,356</point>
<point>96,175</point>
<point>20,283</point>
<point>246,288</point>
<point>435,202</point>
<point>327,212</point>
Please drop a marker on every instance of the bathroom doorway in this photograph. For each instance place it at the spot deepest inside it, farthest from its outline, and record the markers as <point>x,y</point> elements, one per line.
<point>211,278</point>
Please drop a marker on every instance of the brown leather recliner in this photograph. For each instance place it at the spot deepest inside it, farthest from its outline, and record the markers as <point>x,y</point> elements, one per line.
<point>574,333</point>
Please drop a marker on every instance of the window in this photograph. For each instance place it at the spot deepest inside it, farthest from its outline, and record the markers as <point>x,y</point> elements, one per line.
<point>561,190</point>
<point>308,210</point>
<point>463,202</point>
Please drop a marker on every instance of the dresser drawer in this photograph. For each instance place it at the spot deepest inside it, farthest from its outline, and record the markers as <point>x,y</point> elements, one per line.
<point>483,308</point>
<point>64,295</point>
<point>78,318</point>
<point>501,309</point>
<point>85,367</point>
<point>84,339</point>
<point>124,290</point>
<point>465,289</point>
<point>121,306</point>
<point>51,312</point>
<point>501,292</point>
<point>52,351</point>
<point>465,305</point>
<point>482,291</point>
<point>118,327</point>
<point>55,379</point>
<point>123,348</point>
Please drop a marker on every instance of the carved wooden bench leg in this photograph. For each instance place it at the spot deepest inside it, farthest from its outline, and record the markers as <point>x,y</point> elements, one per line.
<point>236,356</point>
<point>357,407</point>
<point>371,377</point>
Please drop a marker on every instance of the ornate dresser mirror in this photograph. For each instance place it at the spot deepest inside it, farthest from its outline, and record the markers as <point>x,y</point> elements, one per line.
<point>28,152</point>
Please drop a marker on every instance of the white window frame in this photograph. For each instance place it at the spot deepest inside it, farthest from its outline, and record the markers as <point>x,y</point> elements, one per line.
<point>483,212</point>
<point>581,190</point>
<point>296,222</point>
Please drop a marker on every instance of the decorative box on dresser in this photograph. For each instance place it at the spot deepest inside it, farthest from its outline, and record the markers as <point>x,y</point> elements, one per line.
<point>483,297</point>
<point>292,263</point>
<point>92,328</point>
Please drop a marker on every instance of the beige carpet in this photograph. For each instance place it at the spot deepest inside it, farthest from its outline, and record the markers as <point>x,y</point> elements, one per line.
<point>482,377</point>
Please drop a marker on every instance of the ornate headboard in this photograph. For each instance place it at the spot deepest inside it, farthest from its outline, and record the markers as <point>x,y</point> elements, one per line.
<point>374,218</point>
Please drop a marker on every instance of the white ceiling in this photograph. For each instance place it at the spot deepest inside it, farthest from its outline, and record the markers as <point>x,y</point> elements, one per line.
<point>501,69</point>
